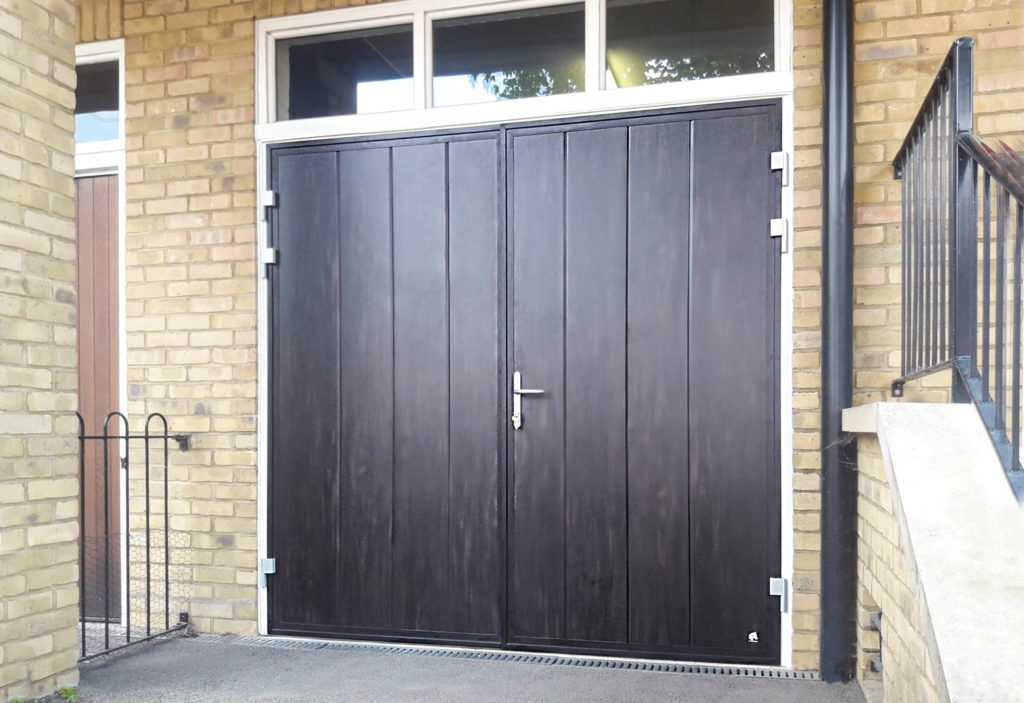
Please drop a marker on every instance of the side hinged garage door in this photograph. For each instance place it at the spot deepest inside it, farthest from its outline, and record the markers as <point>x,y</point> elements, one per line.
<point>617,271</point>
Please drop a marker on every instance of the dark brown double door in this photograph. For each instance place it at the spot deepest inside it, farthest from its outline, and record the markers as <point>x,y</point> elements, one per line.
<point>621,265</point>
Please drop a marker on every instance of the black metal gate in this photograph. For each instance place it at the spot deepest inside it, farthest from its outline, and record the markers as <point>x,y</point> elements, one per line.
<point>132,566</point>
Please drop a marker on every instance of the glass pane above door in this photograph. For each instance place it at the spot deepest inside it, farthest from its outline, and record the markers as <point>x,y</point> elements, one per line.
<point>509,55</point>
<point>664,41</point>
<point>96,102</point>
<point>349,73</point>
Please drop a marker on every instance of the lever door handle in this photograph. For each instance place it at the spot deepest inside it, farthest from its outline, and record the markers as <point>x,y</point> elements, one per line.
<point>517,394</point>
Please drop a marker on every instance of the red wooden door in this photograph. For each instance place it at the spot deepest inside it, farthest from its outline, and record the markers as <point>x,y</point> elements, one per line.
<point>98,383</point>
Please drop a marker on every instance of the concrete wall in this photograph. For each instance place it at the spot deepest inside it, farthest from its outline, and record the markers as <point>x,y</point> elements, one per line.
<point>38,381</point>
<point>883,583</point>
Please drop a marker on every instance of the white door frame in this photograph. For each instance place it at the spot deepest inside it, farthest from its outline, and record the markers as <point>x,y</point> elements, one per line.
<point>592,102</point>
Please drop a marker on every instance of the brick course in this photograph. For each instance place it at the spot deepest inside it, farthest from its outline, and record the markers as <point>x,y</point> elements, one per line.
<point>883,583</point>
<point>38,380</point>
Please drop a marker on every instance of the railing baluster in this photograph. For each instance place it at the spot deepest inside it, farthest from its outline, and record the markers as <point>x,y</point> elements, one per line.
<point>127,534</point>
<point>149,580</point>
<point>904,326</point>
<point>106,532</point>
<point>81,527</point>
<point>1015,386</point>
<point>986,273</point>
<point>943,241</point>
<point>167,543</point>
<point>933,165</point>
<point>934,192</point>
<point>927,244</point>
<point>1000,395</point>
<point>921,287</point>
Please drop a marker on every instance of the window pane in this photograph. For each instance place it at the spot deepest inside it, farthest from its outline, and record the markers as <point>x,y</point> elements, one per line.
<point>662,41</point>
<point>345,74</point>
<point>509,55</point>
<point>96,102</point>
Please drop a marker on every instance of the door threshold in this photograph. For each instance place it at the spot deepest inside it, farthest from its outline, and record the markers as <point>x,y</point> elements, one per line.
<point>528,657</point>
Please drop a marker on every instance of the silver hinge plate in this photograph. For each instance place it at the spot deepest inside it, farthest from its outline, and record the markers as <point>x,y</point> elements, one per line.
<point>779,227</point>
<point>268,199</point>
<point>780,162</point>
<point>268,258</point>
<point>267,566</point>
<point>780,587</point>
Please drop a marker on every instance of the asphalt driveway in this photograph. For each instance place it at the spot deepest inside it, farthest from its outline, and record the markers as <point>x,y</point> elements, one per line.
<point>207,671</point>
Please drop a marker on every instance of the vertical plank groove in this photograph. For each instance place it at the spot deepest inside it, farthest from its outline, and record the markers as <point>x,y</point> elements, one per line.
<point>657,394</point>
<point>595,395</point>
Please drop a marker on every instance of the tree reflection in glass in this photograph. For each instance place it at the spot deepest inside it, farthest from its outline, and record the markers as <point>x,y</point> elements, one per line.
<point>664,41</point>
<point>509,55</point>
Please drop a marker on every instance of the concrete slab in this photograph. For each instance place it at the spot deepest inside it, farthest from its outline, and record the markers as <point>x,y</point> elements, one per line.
<point>218,672</point>
<point>962,531</point>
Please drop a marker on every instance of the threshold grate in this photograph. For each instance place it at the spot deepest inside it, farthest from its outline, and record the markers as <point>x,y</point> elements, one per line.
<point>750,671</point>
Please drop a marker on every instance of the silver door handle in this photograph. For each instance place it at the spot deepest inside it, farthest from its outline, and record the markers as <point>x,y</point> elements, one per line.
<point>517,394</point>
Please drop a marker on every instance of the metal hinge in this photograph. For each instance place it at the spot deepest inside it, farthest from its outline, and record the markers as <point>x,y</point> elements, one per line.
<point>780,162</point>
<point>268,199</point>
<point>268,258</point>
<point>780,587</point>
<point>779,227</point>
<point>267,566</point>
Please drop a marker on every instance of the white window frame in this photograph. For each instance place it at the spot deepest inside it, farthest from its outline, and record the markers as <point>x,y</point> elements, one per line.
<point>594,100</point>
<point>106,154</point>
<point>107,158</point>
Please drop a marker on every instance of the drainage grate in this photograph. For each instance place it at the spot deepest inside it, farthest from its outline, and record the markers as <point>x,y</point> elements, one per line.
<point>767,672</point>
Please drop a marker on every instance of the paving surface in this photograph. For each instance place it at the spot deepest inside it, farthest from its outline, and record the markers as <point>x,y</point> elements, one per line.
<point>197,671</point>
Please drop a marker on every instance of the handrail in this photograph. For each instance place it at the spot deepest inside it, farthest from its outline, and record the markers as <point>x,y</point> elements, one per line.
<point>963,259</point>
<point>984,155</point>
<point>961,46</point>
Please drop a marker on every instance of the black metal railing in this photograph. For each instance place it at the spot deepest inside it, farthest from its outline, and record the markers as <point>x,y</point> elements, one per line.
<point>953,250</point>
<point>127,574</point>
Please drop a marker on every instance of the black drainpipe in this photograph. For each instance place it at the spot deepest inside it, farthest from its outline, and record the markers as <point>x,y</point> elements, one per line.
<point>838,452</point>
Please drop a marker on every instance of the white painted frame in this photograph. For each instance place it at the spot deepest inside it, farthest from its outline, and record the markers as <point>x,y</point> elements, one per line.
<point>107,158</point>
<point>594,100</point>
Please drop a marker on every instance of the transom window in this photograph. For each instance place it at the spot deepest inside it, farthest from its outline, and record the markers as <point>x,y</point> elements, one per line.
<point>96,102</point>
<point>438,53</point>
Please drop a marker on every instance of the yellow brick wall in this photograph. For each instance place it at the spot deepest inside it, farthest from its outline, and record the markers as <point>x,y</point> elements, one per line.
<point>884,584</point>
<point>38,382</point>
<point>191,279</point>
<point>807,179</point>
<point>900,46</point>
<point>99,19</point>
